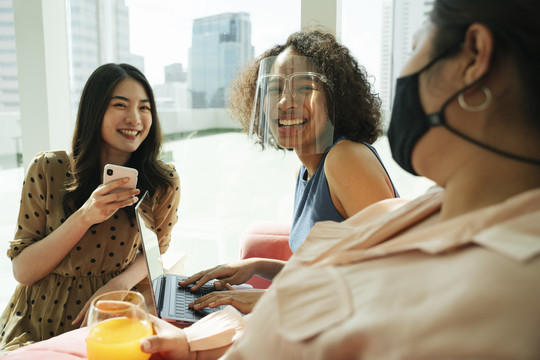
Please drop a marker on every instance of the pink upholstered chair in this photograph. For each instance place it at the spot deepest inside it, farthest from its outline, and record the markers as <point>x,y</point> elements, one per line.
<point>266,239</point>
<point>68,346</point>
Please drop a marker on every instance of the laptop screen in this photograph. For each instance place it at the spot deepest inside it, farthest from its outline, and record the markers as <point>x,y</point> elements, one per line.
<point>149,238</point>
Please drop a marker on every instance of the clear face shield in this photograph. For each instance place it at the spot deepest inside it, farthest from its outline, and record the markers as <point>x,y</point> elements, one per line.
<point>293,106</point>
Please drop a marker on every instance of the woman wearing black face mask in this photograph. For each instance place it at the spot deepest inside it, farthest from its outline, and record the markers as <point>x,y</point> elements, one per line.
<point>452,274</point>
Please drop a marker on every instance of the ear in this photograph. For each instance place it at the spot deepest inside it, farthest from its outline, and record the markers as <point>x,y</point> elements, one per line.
<point>479,47</point>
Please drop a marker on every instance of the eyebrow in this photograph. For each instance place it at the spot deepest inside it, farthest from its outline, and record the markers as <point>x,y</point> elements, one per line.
<point>120,97</point>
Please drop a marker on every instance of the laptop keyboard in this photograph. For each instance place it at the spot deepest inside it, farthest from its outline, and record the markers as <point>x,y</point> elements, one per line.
<point>183,311</point>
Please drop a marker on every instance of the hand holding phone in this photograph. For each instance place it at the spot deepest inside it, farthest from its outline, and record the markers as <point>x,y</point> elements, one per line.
<point>112,172</point>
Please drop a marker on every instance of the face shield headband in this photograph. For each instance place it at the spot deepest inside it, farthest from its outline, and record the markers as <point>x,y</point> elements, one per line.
<point>293,107</point>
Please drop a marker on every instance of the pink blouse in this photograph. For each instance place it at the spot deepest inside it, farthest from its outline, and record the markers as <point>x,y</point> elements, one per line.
<point>468,287</point>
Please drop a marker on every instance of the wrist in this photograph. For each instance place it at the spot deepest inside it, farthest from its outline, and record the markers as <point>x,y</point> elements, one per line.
<point>118,283</point>
<point>183,347</point>
<point>267,268</point>
<point>255,264</point>
<point>80,218</point>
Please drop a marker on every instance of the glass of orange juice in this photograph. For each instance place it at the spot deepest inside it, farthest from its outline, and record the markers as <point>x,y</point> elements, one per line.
<point>117,321</point>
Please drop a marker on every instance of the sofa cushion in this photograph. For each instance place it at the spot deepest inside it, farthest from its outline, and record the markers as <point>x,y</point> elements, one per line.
<point>266,239</point>
<point>68,346</point>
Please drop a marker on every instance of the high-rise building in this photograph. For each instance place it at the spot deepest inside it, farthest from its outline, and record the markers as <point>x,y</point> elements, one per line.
<point>175,73</point>
<point>84,43</point>
<point>221,45</point>
<point>99,35</point>
<point>401,19</point>
<point>409,15</point>
<point>10,138</point>
<point>9,87</point>
<point>173,94</point>
<point>385,86</point>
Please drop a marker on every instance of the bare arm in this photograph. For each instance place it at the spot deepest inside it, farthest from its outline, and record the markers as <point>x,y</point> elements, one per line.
<point>134,274</point>
<point>356,178</point>
<point>236,273</point>
<point>41,258</point>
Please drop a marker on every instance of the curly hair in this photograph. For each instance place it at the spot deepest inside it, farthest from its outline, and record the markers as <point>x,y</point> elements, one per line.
<point>357,110</point>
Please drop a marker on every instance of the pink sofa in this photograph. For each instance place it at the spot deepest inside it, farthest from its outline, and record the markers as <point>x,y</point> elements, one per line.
<point>267,239</point>
<point>68,346</point>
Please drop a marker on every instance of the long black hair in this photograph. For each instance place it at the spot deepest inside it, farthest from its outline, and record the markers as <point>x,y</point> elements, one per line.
<point>86,169</point>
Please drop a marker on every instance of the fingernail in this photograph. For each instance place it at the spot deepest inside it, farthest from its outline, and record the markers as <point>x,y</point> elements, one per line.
<point>145,345</point>
<point>218,285</point>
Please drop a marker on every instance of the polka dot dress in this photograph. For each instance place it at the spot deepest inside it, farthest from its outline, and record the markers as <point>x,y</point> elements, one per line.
<point>48,307</point>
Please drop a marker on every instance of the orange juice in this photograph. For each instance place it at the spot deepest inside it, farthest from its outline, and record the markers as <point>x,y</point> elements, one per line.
<point>118,339</point>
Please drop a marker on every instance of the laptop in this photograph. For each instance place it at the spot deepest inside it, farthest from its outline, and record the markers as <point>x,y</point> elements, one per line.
<point>170,301</point>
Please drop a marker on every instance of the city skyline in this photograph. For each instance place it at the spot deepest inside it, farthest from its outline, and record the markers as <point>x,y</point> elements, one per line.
<point>168,40</point>
<point>159,34</point>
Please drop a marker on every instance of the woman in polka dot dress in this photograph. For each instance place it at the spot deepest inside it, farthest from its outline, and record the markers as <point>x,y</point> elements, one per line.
<point>74,239</point>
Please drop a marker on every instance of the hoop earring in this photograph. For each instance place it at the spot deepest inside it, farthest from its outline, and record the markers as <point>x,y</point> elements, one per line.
<point>483,106</point>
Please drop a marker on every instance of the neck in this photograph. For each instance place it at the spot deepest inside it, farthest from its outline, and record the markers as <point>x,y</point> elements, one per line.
<point>485,184</point>
<point>116,159</point>
<point>311,162</point>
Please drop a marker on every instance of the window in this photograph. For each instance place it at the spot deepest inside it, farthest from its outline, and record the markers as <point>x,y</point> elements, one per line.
<point>190,51</point>
<point>368,31</point>
<point>190,54</point>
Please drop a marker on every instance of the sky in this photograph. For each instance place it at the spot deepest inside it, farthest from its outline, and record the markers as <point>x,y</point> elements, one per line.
<point>161,29</point>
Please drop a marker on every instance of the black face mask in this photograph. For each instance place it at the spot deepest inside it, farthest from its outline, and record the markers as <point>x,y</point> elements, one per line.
<point>409,122</point>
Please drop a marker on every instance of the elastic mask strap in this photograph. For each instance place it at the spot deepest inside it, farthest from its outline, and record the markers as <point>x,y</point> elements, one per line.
<point>438,119</point>
<point>439,57</point>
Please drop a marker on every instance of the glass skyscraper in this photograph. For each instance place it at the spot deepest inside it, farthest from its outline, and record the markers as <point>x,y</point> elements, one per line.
<point>221,45</point>
<point>99,35</point>
<point>9,88</point>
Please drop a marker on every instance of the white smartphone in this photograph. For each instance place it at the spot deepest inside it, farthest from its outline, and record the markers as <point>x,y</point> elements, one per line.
<point>112,172</point>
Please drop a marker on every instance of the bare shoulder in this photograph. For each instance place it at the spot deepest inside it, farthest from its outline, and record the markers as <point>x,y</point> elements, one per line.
<point>350,155</point>
<point>356,177</point>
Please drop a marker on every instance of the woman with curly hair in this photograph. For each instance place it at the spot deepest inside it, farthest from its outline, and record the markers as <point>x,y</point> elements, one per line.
<point>310,96</point>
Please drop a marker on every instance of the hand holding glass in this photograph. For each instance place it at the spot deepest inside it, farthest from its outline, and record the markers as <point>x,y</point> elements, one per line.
<point>117,322</point>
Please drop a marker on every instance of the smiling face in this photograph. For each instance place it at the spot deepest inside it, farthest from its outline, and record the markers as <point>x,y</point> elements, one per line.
<point>296,105</point>
<point>126,122</point>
